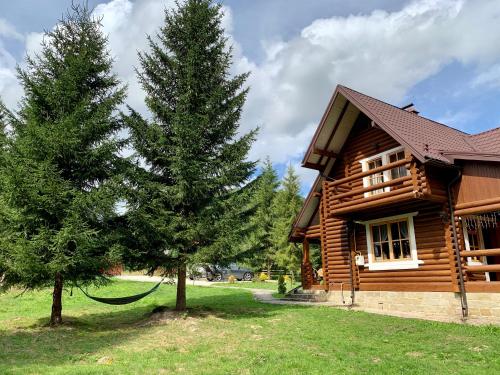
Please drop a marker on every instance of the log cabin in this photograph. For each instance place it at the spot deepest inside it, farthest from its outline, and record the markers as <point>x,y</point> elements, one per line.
<point>405,211</point>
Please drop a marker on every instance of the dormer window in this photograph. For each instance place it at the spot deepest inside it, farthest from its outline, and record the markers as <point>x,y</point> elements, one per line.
<point>379,160</point>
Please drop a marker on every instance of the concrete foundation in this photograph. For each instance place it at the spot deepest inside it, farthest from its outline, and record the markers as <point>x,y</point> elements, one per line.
<point>442,306</point>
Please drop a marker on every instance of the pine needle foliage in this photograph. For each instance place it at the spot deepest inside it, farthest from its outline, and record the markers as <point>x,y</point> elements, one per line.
<point>260,238</point>
<point>191,158</point>
<point>286,207</point>
<point>61,164</point>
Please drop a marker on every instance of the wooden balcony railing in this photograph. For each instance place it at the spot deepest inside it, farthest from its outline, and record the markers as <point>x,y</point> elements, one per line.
<point>481,267</point>
<point>341,198</point>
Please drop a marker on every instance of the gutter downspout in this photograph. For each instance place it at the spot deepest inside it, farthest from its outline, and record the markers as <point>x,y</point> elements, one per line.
<point>463,294</point>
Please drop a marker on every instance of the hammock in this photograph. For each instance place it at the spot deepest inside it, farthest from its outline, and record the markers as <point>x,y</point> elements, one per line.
<point>122,300</point>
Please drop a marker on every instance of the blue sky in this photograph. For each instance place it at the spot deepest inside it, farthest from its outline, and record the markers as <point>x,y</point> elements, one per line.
<point>443,55</point>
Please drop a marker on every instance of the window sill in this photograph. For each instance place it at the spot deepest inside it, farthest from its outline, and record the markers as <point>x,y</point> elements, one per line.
<point>402,265</point>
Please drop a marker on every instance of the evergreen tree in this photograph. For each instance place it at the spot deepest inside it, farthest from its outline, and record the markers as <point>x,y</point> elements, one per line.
<point>62,162</point>
<point>286,207</point>
<point>262,221</point>
<point>191,158</point>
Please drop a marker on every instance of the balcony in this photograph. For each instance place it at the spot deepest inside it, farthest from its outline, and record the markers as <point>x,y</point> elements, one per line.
<point>345,195</point>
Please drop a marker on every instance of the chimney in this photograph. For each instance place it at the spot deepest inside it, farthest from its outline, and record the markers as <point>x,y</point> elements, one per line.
<point>410,108</point>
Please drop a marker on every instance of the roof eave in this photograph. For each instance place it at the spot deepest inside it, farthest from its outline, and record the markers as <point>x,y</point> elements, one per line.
<point>473,156</point>
<point>380,123</point>
<point>320,127</point>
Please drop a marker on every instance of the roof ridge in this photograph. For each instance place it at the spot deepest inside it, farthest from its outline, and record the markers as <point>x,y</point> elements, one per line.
<point>395,106</point>
<point>486,131</point>
<point>466,140</point>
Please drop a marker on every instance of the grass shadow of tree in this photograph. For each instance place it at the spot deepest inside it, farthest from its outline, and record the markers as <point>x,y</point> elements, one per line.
<point>83,336</point>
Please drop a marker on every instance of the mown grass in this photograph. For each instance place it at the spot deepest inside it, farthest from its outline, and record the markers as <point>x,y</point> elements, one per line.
<point>270,285</point>
<point>227,332</point>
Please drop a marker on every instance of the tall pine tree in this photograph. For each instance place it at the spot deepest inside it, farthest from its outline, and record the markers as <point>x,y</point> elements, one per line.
<point>192,156</point>
<point>61,163</point>
<point>286,206</point>
<point>260,238</point>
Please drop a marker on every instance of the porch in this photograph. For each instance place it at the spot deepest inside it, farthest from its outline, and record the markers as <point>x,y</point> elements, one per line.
<point>480,253</point>
<point>312,277</point>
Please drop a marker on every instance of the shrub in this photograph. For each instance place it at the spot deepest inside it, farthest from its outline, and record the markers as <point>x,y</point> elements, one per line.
<point>263,276</point>
<point>281,285</point>
<point>287,278</point>
<point>231,279</point>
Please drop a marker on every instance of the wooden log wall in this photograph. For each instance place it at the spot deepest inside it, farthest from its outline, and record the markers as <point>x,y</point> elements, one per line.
<point>479,188</point>
<point>346,194</point>
<point>432,229</point>
<point>437,273</point>
<point>363,141</point>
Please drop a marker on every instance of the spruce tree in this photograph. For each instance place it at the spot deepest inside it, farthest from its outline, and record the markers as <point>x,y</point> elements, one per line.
<point>263,218</point>
<point>62,163</point>
<point>286,207</point>
<point>191,159</point>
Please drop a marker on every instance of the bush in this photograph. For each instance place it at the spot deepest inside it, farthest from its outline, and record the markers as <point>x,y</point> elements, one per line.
<point>263,276</point>
<point>281,285</point>
<point>287,278</point>
<point>231,279</point>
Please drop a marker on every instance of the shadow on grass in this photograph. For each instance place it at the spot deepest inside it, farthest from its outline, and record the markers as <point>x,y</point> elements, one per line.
<point>82,337</point>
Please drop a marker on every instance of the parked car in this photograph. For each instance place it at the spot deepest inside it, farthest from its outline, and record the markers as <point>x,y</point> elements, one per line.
<point>218,273</point>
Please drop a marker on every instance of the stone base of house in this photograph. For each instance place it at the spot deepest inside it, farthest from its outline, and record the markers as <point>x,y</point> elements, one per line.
<point>484,308</point>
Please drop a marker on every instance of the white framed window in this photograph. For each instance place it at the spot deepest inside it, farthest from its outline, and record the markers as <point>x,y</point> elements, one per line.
<point>383,158</point>
<point>391,243</point>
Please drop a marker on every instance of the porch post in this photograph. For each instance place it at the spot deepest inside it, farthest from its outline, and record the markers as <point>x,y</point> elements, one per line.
<point>307,271</point>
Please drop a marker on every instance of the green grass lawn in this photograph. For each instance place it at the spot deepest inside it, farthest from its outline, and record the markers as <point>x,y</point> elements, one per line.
<point>270,285</point>
<point>227,332</point>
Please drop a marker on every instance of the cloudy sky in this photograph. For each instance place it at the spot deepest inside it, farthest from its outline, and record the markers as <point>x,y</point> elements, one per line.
<point>443,55</point>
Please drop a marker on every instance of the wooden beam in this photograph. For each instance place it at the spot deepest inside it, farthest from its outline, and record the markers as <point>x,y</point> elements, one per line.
<point>364,206</point>
<point>479,253</point>
<point>477,210</point>
<point>480,203</point>
<point>372,187</point>
<point>313,166</point>
<point>369,202</point>
<point>356,176</point>
<point>410,287</point>
<point>484,268</point>
<point>329,154</point>
<point>482,286</point>
<point>334,129</point>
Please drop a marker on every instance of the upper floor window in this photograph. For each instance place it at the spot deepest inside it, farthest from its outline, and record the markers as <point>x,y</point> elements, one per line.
<point>380,177</point>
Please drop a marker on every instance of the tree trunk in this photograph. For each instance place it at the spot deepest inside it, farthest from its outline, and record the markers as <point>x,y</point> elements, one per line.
<point>56,317</point>
<point>268,269</point>
<point>180,304</point>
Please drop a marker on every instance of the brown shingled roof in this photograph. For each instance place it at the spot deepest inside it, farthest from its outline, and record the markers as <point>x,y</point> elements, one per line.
<point>488,141</point>
<point>426,138</point>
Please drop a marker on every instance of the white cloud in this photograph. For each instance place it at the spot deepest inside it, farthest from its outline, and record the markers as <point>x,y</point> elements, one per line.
<point>459,119</point>
<point>127,24</point>
<point>9,31</point>
<point>489,77</point>
<point>383,54</point>
<point>9,88</point>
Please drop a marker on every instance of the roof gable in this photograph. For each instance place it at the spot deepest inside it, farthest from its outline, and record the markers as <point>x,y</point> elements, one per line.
<point>425,138</point>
